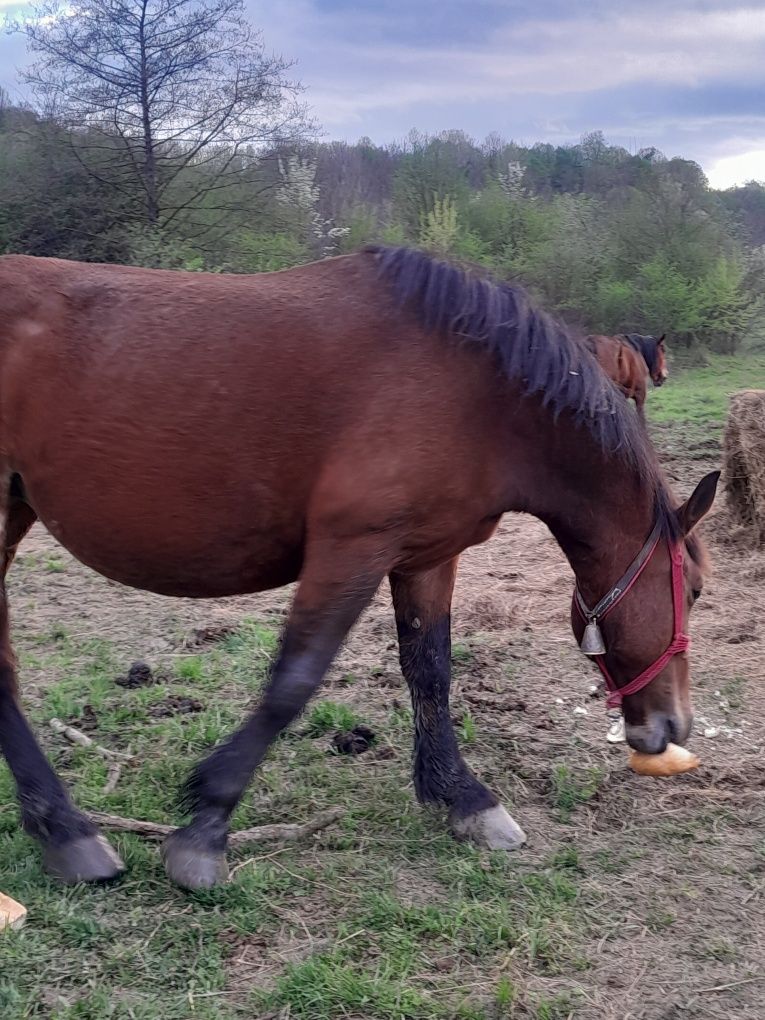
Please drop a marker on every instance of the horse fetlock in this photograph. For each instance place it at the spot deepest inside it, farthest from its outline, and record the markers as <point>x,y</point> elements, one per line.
<point>446,779</point>
<point>52,818</point>
<point>493,828</point>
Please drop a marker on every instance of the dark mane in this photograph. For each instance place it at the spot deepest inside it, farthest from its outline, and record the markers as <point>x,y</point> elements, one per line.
<point>646,346</point>
<point>531,347</point>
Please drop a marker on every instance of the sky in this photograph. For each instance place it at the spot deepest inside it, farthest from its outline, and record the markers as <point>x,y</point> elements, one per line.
<point>685,76</point>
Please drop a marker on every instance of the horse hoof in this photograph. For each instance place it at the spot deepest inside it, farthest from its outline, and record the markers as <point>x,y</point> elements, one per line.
<point>190,867</point>
<point>492,828</point>
<point>87,859</point>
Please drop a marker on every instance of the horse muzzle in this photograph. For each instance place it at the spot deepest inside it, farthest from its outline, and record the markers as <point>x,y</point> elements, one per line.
<point>659,729</point>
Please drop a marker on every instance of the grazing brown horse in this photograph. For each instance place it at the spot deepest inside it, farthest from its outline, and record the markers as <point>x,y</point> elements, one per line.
<point>630,359</point>
<point>361,418</point>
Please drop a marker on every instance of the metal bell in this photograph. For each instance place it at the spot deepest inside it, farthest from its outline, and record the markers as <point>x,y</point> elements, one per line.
<point>592,640</point>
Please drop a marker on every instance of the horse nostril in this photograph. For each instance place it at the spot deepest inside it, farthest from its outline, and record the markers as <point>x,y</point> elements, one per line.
<point>648,739</point>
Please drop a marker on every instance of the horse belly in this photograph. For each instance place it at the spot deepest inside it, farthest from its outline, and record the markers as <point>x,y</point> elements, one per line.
<point>234,563</point>
<point>169,536</point>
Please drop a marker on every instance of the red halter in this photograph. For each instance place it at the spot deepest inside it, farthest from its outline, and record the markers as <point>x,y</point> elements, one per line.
<point>680,641</point>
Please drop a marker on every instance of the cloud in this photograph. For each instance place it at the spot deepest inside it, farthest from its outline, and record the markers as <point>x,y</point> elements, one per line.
<point>353,57</point>
<point>674,73</point>
<point>685,75</point>
<point>728,171</point>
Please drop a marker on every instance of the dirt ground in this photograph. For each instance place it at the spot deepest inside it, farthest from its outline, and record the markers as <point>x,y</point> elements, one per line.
<point>681,932</point>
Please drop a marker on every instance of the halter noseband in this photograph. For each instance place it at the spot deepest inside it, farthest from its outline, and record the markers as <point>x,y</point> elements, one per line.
<point>592,641</point>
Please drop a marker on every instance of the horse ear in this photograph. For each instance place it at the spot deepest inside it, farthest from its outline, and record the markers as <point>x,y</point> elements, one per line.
<point>698,505</point>
<point>660,341</point>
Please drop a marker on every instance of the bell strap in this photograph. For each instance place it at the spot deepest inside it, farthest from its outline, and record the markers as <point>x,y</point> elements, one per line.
<point>625,582</point>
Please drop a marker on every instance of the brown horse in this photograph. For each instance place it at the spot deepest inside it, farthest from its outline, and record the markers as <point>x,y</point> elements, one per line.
<point>630,359</point>
<point>363,417</point>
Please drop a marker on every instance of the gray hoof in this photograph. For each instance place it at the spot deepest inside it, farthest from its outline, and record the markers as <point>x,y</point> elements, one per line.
<point>190,867</point>
<point>492,828</point>
<point>87,859</point>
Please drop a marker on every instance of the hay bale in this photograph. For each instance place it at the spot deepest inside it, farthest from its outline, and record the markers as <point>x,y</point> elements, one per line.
<point>744,458</point>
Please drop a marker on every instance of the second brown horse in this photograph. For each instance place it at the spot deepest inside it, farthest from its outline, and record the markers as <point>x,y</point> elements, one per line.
<point>630,360</point>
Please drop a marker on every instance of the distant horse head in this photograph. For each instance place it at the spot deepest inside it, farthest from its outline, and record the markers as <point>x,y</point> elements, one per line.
<point>654,354</point>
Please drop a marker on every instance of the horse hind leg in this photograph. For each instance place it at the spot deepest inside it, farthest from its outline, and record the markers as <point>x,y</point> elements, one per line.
<point>339,579</point>
<point>73,849</point>
<point>422,604</point>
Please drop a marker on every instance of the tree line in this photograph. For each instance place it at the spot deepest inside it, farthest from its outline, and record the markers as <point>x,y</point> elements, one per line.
<point>164,133</point>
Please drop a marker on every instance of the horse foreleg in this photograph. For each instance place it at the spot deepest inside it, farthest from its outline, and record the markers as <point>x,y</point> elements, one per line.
<point>336,585</point>
<point>422,604</point>
<point>73,849</point>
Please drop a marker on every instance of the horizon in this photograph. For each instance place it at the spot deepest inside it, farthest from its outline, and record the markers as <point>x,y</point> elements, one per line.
<point>683,76</point>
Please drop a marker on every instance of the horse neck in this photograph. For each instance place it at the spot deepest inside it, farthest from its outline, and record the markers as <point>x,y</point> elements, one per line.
<point>598,507</point>
<point>601,543</point>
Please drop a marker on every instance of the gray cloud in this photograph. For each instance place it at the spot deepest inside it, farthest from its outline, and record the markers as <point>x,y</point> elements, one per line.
<point>686,75</point>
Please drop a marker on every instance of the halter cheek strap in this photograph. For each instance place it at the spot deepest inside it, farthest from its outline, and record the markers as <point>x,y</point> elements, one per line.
<point>680,641</point>
<point>616,594</point>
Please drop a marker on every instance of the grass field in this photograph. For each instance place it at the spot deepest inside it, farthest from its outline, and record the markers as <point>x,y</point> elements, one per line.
<point>700,395</point>
<point>382,915</point>
<point>373,940</point>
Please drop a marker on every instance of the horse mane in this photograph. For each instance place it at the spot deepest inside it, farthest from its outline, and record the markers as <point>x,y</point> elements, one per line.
<point>646,346</point>
<point>532,348</point>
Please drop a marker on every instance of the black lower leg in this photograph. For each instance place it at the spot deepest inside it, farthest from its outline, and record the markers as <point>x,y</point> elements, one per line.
<point>423,623</point>
<point>46,811</point>
<point>440,773</point>
<point>73,849</point>
<point>216,785</point>
<point>320,619</point>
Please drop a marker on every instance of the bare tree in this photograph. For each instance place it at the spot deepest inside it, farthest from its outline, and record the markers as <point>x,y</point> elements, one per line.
<point>168,102</point>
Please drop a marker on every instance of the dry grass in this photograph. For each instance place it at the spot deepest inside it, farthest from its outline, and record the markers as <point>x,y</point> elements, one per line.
<point>744,453</point>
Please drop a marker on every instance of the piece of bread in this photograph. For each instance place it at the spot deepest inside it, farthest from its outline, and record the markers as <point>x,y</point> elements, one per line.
<point>671,762</point>
<point>12,914</point>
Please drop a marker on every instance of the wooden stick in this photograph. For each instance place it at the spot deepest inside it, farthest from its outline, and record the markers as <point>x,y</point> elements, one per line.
<point>289,832</point>
<point>732,984</point>
<point>692,791</point>
<point>112,777</point>
<point>76,736</point>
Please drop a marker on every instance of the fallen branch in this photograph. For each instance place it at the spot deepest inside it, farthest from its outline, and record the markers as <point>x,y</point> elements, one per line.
<point>112,777</point>
<point>712,792</point>
<point>731,984</point>
<point>75,736</point>
<point>289,832</point>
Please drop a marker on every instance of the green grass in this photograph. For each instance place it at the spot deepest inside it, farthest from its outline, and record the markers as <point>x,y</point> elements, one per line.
<point>328,717</point>
<point>569,788</point>
<point>700,395</point>
<point>144,949</point>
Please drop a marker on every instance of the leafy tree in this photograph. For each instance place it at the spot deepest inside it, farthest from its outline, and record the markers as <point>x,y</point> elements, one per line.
<point>440,226</point>
<point>747,206</point>
<point>167,102</point>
